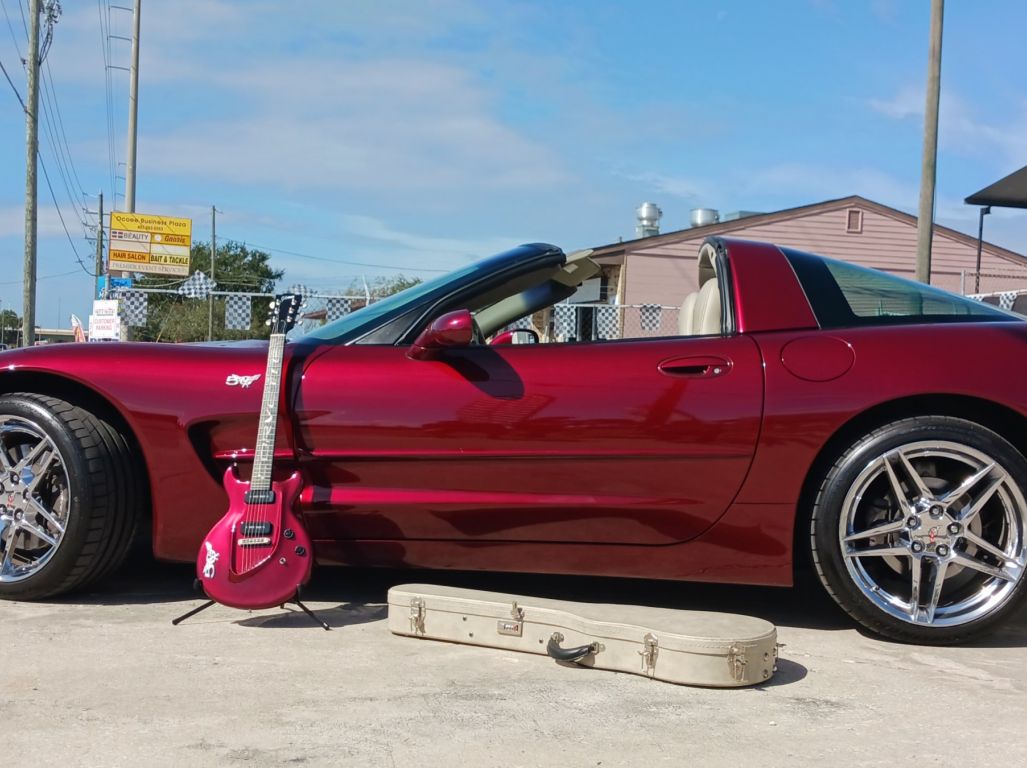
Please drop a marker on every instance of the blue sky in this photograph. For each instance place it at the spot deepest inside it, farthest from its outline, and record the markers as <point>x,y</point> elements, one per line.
<point>418,135</point>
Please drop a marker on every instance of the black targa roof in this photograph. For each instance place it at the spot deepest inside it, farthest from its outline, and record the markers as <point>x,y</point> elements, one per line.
<point>1010,192</point>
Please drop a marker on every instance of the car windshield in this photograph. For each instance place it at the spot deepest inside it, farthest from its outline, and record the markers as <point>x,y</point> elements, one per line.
<point>359,321</point>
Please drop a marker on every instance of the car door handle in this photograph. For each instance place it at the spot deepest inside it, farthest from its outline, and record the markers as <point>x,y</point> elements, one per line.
<point>705,367</point>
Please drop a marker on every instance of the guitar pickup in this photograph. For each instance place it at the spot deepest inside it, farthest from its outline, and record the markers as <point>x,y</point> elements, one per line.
<point>255,541</point>
<point>256,529</point>
<point>259,497</point>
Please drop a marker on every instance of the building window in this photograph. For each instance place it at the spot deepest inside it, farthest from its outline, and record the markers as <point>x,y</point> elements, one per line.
<point>854,221</point>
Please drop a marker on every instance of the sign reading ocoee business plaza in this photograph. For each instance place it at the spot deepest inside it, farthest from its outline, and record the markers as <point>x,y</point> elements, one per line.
<point>140,242</point>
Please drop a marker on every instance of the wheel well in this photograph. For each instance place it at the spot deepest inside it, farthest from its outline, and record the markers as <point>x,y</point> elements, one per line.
<point>92,401</point>
<point>1000,419</point>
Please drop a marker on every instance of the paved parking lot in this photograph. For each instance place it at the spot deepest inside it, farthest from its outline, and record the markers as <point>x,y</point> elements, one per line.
<point>103,679</point>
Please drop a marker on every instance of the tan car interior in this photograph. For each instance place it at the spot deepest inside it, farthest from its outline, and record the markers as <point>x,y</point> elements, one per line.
<point>700,311</point>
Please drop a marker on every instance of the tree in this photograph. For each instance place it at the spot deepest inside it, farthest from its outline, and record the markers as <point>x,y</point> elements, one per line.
<point>236,269</point>
<point>10,327</point>
<point>381,286</point>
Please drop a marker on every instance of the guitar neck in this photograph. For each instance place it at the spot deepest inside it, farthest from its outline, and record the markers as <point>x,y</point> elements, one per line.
<point>264,453</point>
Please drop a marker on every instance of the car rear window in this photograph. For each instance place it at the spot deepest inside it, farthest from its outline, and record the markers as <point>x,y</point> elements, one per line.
<point>845,295</point>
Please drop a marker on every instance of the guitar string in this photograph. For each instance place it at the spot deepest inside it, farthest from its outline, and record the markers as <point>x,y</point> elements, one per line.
<point>264,452</point>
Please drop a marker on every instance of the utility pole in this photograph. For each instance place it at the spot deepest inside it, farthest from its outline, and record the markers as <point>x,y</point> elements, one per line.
<point>213,250</point>
<point>99,249</point>
<point>929,166</point>
<point>133,109</point>
<point>28,321</point>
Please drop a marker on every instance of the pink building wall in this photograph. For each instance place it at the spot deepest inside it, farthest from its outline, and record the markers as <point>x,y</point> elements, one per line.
<point>666,272</point>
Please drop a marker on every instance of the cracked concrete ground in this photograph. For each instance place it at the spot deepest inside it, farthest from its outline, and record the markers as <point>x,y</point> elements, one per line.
<point>103,679</point>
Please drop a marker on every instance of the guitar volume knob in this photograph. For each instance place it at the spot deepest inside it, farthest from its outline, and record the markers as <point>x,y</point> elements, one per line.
<point>289,533</point>
<point>301,551</point>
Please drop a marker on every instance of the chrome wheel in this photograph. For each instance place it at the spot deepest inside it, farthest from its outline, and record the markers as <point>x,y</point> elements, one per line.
<point>34,499</point>
<point>933,533</point>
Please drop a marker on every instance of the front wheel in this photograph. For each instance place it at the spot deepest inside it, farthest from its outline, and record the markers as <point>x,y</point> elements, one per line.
<point>918,530</point>
<point>70,494</point>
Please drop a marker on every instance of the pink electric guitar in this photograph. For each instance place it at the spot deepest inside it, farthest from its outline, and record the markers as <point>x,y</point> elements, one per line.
<point>259,554</point>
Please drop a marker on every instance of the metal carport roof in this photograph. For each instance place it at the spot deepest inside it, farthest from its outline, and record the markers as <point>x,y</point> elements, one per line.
<point>1010,192</point>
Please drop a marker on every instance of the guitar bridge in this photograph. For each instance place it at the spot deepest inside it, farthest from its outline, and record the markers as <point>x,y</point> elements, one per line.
<point>255,541</point>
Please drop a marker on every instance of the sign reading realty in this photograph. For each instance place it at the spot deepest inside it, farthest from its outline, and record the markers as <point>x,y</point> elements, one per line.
<point>140,242</point>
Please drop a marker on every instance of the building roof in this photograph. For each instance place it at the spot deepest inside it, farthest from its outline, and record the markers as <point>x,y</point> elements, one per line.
<point>1008,192</point>
<point>726,227</point>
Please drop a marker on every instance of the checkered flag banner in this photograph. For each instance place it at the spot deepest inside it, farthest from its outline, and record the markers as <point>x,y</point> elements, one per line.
<point>649,317</point>
<point>238,312</point>
<point>198,286</point>
<point>565,320</point>
<point>336,307</point>
<point>607,323</point>
<point>524,322</point>
<point>132,307</point>
<point>1006,299</point>
<point>303,290</point>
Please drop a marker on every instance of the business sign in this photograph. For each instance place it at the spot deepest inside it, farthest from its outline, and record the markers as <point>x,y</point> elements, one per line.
<point>140,242</point>
<point>115,283</point>
<point>104,323</point>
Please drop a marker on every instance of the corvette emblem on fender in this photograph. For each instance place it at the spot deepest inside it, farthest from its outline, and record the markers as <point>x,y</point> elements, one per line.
<point>235,380</point>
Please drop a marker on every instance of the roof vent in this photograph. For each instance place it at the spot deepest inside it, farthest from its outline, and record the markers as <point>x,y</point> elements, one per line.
<point>648,223</point>
<point>704,216</point>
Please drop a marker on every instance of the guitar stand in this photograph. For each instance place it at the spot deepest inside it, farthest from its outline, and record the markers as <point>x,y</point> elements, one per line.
<point>209,603</point>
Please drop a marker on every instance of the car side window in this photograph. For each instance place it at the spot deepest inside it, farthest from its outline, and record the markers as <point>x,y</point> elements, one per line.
<point>845,295</point>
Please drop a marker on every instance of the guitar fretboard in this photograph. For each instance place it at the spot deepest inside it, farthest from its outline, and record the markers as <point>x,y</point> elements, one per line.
<point>264,453</point>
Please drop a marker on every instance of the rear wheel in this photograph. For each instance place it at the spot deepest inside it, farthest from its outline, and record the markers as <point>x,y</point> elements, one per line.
<point>918,530</point>
<point>69,496</point>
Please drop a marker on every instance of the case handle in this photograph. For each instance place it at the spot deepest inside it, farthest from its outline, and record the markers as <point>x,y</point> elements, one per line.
<point>570,654</point>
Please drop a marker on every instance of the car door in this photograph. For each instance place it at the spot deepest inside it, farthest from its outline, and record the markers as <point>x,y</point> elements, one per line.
<point>636,441</point>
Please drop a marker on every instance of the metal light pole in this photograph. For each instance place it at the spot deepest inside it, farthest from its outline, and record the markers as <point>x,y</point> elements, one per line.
<point>133,111</point>
<point>213,251</point>
<point>980,242</point>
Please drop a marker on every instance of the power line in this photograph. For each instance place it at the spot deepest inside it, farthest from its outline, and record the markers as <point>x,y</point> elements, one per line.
<point>70,163</point>
<point>11,28</point>
<point>14,88</point>
<point>41,277</point>
<point>337,261</point>
<point>53,197</point>
<point>105,47</point>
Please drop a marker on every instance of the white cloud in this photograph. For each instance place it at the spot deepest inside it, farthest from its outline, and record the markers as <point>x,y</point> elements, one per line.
<point>48,223</point>
<point>374,229</point>
<point>693,190</point>
<point>962,127</point>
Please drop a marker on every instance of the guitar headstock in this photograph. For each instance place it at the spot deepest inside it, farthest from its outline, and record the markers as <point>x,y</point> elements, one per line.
<point>284,309</point>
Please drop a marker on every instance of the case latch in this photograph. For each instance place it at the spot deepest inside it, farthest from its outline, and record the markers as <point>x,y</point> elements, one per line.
<point>736,662</point>
<point>650,650</point>
<point>417,615</point>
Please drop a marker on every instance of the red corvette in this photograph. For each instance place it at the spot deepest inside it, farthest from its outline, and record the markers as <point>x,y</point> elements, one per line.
<point>808,410</point>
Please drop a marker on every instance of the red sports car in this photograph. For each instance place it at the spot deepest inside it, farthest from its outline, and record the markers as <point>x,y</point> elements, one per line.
<point>806,410</point>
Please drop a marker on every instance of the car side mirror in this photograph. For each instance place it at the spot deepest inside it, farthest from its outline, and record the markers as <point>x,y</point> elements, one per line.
<point>515,336</point>
<point>453,329</point>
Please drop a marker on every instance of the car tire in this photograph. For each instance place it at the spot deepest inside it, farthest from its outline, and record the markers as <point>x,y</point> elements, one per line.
<point>70,496</point>
<point>919,530</point>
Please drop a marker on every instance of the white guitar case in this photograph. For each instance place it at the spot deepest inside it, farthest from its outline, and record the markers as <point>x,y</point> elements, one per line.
<point>689,647</point>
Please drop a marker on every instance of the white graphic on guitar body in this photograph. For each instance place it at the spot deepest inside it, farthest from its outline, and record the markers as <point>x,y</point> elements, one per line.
<point>212,557</point>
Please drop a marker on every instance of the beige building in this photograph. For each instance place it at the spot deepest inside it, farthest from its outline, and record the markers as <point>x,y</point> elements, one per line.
<point>661,269</point>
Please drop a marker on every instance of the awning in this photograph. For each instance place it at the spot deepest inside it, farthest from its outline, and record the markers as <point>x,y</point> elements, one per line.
<point>1010,192</point>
